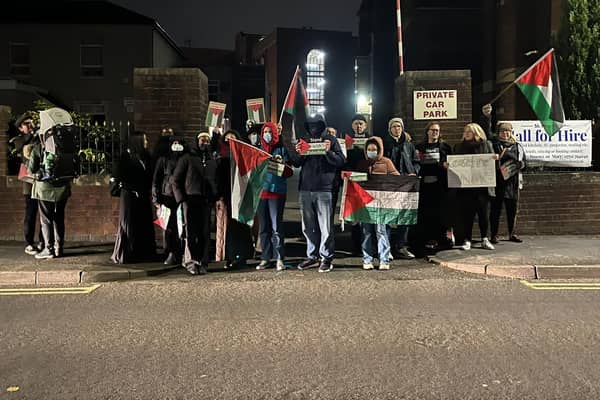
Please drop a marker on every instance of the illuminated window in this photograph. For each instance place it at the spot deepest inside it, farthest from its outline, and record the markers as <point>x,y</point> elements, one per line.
<point>315,81</point>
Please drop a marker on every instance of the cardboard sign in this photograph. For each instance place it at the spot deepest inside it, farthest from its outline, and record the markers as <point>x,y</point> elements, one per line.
<point>342,143</point>
<point>358,176</point>
<point>256,110</point>
<point>215,113</point>
<point>276,168</point>
<point>162,217</point>
<point>509,169</point>
<point>471,171</point>
<point>312,149</point>
<point>434,104</point>
<point>352,142</point>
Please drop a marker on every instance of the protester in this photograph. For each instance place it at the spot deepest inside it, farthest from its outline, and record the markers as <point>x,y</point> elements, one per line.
<point>252,133</point>
<point>195,188</point>
<point>315,194</point>
<point>508,181</point>
<point>374,163</point>
<point>399,148</point>
<point>474,201</point>
<point>272,201</point>
<point>435,211</point>
<point>162,195</point>
<point>162,146</point>
<point>135,235</point>
<point>24,143</point>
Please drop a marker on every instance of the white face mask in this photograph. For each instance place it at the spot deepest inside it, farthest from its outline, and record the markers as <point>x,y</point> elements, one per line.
<point>254,138</point>
<point>372,154</point>
<point>176,147</point>
<point>268,136</point>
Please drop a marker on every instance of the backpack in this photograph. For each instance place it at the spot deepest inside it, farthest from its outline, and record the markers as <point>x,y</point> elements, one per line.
<point>58,153</point>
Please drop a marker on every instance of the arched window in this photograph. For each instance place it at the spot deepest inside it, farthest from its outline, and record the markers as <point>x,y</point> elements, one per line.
<point>315,81</point>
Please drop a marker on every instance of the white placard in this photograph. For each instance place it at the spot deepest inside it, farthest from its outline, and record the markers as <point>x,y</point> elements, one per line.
<point>569,147</point>
<point>434,104</point>
<point>471,171</point>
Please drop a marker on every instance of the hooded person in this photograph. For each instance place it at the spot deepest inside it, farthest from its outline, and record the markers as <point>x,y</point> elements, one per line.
<point>374,163</point>
<point>399,148</point>
<point>253,133</point>
<point>162,194</point>
<point>135,237</point>
<point>195,189</point>
<point>315,187</point>
<point>272,200</point>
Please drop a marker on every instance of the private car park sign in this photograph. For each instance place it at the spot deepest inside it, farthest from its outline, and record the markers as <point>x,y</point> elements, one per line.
<point>434,104</point>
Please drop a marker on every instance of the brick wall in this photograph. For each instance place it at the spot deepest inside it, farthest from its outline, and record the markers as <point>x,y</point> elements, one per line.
<point>174,97</point>
<point>459,80</point>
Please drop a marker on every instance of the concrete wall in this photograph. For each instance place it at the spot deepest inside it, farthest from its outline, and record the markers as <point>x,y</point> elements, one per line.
<point>434,80</point>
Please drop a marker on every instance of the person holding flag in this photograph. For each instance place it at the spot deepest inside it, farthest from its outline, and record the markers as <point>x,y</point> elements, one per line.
<point>272,199</point>
<point>315,192</point>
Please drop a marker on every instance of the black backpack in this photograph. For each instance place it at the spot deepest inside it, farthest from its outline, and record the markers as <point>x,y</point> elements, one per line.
<point>59,154</point>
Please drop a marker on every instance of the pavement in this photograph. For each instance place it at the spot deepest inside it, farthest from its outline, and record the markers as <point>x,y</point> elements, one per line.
<point>538,257</point>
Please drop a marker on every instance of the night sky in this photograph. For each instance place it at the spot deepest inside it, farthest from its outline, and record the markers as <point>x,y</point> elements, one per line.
<point>214,23</point>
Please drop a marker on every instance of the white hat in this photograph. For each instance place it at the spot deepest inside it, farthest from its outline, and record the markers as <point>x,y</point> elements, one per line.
<point>396,119</point>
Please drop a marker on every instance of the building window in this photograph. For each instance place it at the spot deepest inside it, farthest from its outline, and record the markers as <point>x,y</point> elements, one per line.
<point>92,60</point>
<point>20,59</point>
<point>315,81</point>
<point>214,89</point>
<point>95,109</point>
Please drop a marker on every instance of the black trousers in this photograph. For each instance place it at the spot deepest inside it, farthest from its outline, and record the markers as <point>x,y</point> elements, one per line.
<point>52,218</point>
<point>171,241</point>
<point>196,212</point>
<point>31,209</point>
<point>474,202</point>
<point>511,214</point>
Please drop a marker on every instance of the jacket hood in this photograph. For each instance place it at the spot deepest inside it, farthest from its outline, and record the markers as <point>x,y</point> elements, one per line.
<point>379,142</point>
<point>316,124</point>
<point>274,141</point>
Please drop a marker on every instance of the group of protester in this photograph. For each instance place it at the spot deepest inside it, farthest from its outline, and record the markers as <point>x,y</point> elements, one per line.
<point>191,180</point>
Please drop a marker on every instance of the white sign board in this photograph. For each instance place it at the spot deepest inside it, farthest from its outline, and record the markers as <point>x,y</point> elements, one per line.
<point>569,147</point>
<point>471,171</point>
<point>434,104</point>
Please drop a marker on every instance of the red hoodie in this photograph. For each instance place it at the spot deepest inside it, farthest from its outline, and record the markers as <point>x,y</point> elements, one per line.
<point>268,147</point>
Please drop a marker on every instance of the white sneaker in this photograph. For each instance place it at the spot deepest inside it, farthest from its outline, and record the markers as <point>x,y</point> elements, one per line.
<point>485,244</point>
<point>466,245</point>
<point>31,250</point>
<point>264,264</point>
<point>367,266</point>
<point>384,267</point>
<point>280,266</point>
<point>405,254</point>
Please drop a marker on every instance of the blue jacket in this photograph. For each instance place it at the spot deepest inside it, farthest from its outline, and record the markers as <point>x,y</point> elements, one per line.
<point>319,171</point>
<point>274,183</point>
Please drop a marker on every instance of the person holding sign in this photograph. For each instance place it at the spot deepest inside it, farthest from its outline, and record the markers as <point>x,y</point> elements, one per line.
<point>320,160</point>
<point>474,200</point>
<point>272,199</point>
<point>508,180</point>
<point>399,148</point>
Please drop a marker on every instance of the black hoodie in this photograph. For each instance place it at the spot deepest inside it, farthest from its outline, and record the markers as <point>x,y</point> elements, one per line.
<point>318,172</point>
<point>195,175</point>
<point>162,185</point>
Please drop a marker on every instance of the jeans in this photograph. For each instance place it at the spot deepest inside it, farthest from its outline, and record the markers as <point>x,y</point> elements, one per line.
<point>316,208</point>
<point>270,216</point>
<point>381,233</point>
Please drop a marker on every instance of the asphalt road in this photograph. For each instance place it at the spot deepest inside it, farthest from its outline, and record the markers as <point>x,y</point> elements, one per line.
<point>417,332</point>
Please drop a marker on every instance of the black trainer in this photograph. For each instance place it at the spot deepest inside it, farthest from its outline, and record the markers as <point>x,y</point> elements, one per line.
<point>308,263</point>
<point>325,266</point>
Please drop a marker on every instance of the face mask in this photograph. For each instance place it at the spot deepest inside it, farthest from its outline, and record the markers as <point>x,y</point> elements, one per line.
<point>176,147</point>
<point>203,146</point>
<point>372,154</point>
<point>254,138</point>
<point>268,137</point>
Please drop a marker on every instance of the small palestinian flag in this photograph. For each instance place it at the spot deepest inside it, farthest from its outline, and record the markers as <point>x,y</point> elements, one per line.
<point>382,199</point>
<point>256,110</point>
<point>541,87</point>
<point>290,100</point>
<point>214,116</point>
<point>248,168</point>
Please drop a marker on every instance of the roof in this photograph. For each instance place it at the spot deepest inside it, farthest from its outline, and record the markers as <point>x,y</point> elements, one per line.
<point>100,12</point>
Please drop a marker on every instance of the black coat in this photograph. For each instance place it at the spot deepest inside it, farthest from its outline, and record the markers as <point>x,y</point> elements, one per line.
<point>195,175</point>
<point>508,189</point>
<point>402,153</point>
<point>433,156</point>
<point>162,185</point>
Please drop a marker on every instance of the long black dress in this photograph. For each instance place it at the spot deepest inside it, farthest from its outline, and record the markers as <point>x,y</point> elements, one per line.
<point>135,236</point>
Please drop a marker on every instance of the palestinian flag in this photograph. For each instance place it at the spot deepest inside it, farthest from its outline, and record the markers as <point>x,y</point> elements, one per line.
<point>214,116</point>
<point>256,110</point>
<point>541,87</point>
<point>290,100</point>
<point>382,199</point>
<point>248,169</point>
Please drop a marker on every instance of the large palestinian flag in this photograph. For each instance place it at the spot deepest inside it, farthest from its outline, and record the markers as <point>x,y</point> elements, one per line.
<point>289,105</point>
<point>248,169</point>
<point>541,87</point>
<point>382,199</point>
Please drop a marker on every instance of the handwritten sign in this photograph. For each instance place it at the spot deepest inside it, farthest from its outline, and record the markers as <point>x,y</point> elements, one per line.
<point>471,171</point>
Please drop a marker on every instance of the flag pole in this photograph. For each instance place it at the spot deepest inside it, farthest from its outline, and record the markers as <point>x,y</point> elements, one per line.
<point>288,93</point>
<point>519,77</point>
